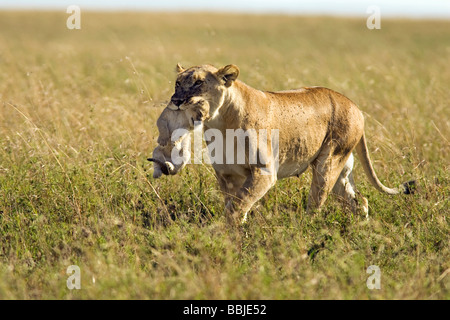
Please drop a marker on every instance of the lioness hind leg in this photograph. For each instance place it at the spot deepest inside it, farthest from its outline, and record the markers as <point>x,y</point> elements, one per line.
<point>346,189</point>
<point>326,170</point>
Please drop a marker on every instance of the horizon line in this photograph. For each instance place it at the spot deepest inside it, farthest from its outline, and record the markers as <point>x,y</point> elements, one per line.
<point>293,13</point>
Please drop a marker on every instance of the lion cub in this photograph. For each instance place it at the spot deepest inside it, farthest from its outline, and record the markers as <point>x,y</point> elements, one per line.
<point>196,109</point>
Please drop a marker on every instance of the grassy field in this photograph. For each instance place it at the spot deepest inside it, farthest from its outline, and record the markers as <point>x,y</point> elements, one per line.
<point>77,122</point>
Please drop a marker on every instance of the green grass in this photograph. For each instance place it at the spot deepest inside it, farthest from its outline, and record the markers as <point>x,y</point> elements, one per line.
<point>77,121</point>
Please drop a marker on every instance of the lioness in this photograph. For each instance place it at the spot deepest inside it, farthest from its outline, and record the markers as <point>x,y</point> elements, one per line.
<point>318,128</point>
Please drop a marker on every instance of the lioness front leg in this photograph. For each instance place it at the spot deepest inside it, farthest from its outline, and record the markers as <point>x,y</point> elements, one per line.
<point>254,188</point>
<point>229,185</point>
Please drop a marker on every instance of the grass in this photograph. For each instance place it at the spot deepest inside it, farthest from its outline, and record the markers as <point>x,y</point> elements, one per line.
<point>77,121</point>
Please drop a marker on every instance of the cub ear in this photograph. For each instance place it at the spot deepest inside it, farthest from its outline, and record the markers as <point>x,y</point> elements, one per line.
<point>179,68</point>
<point>228,74</point>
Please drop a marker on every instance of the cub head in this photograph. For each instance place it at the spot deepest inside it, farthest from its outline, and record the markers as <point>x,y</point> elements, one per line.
<point>163,158</point>
<point>174,136</point>
<point>205,82</point>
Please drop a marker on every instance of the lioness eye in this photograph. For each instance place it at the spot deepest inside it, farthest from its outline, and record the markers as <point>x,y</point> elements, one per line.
<point>198,82</point>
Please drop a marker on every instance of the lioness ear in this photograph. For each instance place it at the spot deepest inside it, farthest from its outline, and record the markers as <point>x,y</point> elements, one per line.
<point>179,68</point>
<point>228,74</point>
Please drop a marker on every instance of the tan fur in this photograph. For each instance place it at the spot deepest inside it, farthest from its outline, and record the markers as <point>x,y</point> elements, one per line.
<point>318,128</point>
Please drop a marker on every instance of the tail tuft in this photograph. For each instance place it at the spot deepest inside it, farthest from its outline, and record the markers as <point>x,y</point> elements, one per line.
<point>409,187</point>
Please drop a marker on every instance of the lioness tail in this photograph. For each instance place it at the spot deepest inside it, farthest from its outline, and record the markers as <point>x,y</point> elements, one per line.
<point>363,154</point>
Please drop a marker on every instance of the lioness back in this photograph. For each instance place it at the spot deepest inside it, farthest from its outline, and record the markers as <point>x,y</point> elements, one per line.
<point>307,117</point>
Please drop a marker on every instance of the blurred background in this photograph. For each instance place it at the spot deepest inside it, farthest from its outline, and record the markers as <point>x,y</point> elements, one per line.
<point>77,122</point>
<point>396,8</point>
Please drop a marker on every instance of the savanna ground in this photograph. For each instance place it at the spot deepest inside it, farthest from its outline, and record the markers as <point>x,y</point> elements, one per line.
<point>77,122</point>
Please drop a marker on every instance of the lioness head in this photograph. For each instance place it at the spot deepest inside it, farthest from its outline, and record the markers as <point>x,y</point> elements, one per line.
<point>206,82</point>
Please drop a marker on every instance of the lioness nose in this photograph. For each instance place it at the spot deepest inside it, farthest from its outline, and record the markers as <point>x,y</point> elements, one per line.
<point>177,102</point>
